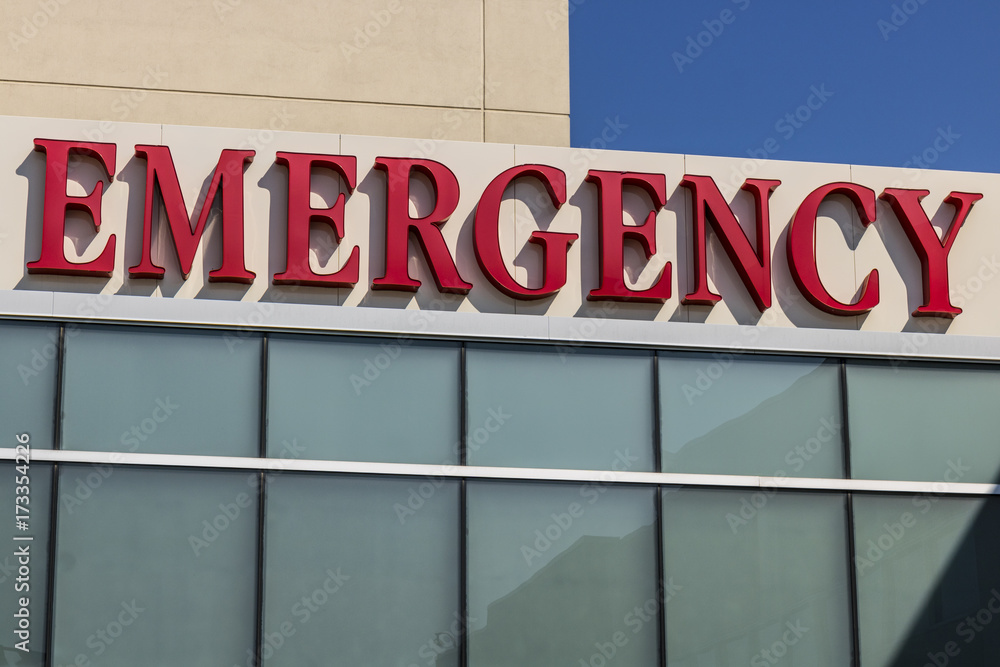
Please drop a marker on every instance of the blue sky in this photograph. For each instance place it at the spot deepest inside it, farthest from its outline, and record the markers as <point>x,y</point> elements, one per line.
<point>885,79</point>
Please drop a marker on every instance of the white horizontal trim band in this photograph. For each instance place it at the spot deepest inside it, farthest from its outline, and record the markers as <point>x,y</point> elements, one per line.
<point>574,331</point>
<point>481,472</point>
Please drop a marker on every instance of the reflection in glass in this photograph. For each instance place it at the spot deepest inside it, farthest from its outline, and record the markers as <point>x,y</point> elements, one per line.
<point>747,415</point>
<point>566,407</point>
<point>762,576</point>
<point>928,580</point>
<point>560,574</point>
<point>13,584</point>
<point>155,567</point>
<point>362,571</point>
<point>920,422</point>
<point>28,368</point>
<point>393,400</point>
<point>163,392</point>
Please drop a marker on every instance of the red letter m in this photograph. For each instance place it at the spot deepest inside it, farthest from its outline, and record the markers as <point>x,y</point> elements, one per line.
<point>228,178</point>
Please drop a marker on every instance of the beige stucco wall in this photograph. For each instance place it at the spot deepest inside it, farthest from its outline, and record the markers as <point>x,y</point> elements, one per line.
<point>475,70</point>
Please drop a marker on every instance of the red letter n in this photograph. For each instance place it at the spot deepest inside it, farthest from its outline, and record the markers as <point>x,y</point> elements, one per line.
<point>709,207</point>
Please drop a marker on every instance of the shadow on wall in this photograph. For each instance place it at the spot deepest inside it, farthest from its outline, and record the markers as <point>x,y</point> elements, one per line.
<point>958,623</point>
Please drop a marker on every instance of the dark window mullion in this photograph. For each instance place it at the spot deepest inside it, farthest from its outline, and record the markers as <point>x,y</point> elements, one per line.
<point>261,500</point>
<point>463,556</point>
<point>849,508</point>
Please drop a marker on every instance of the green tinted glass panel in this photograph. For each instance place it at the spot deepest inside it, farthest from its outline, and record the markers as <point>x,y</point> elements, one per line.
<point>758,578</point>
<point>923,422</point>
<point>162,392</point>
<point>560,407</point>
<point>28,369</point>
<point>24,561</point>
<point>746,415</point>
<point>560,574</point>
<point>155,567</point>
<point>928,580</point>
<point>362,571</point>
<point>393,400</point>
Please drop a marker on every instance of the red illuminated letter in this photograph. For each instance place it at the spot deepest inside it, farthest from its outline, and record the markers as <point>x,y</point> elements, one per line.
<point>614,231</point>
<point>57,202</point>
<point>228,178</point>
<point>802,249</point>
<point>554,244</point>
<point>399,225</point>
<point>932,251</point>
<point>710,207</point>
<point>301,214</point>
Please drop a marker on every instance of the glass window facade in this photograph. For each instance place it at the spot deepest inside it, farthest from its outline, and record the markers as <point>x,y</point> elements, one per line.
<point>747,415</point>
<point>928,579</point>
<point>772,584</point>
<point>29,362</point>
<point>557,554</point>
<point>354,572</point>
<point>154,563</point>
<point>559,407</point>
<point>177,392</point>
<point>555,572</point>
<point>356,400</point>
<point>920,422</point>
